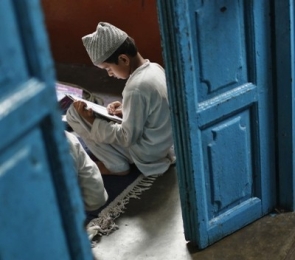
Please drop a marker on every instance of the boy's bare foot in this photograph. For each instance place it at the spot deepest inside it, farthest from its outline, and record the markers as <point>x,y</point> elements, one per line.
<point>105,171</point>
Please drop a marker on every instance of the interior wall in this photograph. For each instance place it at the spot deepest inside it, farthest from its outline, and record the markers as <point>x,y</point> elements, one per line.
<point>68,21</point>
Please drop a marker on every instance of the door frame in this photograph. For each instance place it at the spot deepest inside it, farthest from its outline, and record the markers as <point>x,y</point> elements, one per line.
<point>284,41</point>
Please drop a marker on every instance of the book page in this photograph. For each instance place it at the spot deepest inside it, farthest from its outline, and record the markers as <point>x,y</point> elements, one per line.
<point>62,90</point>
<point>101,110</point>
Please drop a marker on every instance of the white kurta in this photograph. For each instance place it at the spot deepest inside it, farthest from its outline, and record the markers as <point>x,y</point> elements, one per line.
<point>145,135</point>
<point>90,181</point>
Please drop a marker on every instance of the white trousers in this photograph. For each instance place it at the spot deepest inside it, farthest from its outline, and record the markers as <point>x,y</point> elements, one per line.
<point>114,157</point>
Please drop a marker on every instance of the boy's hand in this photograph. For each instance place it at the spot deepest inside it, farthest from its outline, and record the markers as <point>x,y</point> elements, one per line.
<point>115,108</point>
<point>82,110</point>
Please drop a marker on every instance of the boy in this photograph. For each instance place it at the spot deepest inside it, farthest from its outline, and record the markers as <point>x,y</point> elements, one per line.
<point>145,136</point>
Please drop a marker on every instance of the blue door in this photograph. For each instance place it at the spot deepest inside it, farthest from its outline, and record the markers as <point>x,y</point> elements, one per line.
<point>218,64</point>
<point>41,215</point>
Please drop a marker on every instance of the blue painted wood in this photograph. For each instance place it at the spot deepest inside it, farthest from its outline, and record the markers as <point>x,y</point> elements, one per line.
<point>285,56</point>
<point>13,68</point>
<point>218,65</point>
<point>42,212</point>
<point>30,221</point>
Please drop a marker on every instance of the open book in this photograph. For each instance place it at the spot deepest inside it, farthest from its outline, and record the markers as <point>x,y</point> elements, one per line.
<point>100,110</point>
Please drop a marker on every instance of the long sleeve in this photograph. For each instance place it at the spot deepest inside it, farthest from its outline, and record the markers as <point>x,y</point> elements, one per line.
<point>90,181</point>
<point>130,130</point>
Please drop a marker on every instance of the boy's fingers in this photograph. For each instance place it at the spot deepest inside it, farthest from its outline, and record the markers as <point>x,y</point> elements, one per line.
<point>118,111</point>
<point>90,112</point>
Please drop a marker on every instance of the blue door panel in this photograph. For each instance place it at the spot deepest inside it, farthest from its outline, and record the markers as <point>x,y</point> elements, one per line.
<point>228,175</point>
<point>222,65</point>
<point>27,196</point>
<point>42,213</point>
<point>218,66</point>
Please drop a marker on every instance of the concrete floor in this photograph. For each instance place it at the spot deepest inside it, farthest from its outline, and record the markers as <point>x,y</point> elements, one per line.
<point>152,227</point>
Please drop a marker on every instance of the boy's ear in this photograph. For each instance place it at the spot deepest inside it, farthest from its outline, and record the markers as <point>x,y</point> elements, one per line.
<point>124,59</point>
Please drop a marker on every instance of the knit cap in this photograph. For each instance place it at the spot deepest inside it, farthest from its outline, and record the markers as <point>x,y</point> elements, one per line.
<point>102,43</point>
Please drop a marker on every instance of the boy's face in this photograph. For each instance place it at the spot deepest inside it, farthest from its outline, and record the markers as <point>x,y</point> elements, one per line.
<point>120,70</point>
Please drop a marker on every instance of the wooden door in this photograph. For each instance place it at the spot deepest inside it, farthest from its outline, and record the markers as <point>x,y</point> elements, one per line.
<point>41,215</point>
<point>218,63</point>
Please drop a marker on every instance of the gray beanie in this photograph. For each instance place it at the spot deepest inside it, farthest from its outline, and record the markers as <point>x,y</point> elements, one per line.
<point>102,43</point>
